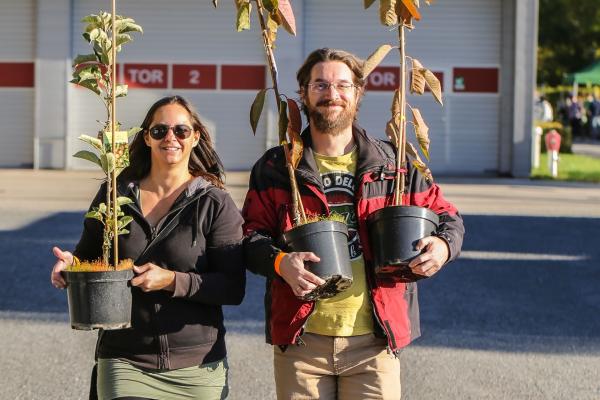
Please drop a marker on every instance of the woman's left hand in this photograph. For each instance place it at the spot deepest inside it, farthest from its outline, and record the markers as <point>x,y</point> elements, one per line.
<point>150,277</point>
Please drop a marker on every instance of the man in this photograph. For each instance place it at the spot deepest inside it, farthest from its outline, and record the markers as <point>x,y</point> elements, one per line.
<point>345,347</point>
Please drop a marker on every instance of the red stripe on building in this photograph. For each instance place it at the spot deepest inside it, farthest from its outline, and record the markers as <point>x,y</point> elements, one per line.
<point>244,77</point>
<point>387,79</point>
<point>16,74</point>
<point>188,76</point>
<point>152,76</point>
<point>475,80</point>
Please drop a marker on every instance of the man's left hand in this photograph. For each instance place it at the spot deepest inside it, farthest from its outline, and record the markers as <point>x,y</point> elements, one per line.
<point>434,256</point>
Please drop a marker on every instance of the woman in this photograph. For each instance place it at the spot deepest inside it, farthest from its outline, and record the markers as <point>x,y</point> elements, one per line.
<point>185,240</point>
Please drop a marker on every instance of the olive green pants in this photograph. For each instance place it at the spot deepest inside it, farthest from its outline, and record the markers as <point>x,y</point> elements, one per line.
<point>117,378</point>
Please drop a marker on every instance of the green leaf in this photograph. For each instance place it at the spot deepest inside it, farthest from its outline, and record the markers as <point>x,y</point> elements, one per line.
<point>95,34</point>
<point>87,71</point>
<point>256,109</point>
<point>92,141</point>
<point>94,214</point>
<point>243,15</point>
<point>121,91</point>
<point>272,26</point>
<point>84,58</point>
<point>108,162</point>
<point>92,19</point>
<point>122,200</point>
<point>123,38</point>
<point>123,222</point>
<point>102,208</point>
<point>133,131</point>
<point>88,155</point>
<point>283,121</point>
<point>271,5</point>
<point>91,85</point>
<point>125,25</point>
<point>122,232</point>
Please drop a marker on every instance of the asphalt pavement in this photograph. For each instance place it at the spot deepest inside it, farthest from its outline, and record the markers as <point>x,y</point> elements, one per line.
<point>516,317</point>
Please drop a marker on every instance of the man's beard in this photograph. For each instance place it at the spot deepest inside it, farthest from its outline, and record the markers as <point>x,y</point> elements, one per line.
<point>331,122</point>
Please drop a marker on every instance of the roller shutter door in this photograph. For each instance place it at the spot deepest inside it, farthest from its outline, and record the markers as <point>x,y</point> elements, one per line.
<point>17,33</point>
<point>452,34</point>
<point>179,34</point>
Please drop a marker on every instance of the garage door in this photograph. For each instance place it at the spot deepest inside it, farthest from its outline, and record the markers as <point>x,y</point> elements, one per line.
<point>17,34</point>
<point>465,131</point>
<point>191,49</point>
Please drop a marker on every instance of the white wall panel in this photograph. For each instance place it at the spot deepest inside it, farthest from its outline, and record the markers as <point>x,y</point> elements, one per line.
<point>17,30</point>
<point>450,32</point>
<point>178,31</point>
<point>473,142</point>
<point>16,129</point>
<point>17,33</point>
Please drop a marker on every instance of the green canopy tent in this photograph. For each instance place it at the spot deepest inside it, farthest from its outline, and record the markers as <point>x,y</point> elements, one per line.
<point>587,76</point>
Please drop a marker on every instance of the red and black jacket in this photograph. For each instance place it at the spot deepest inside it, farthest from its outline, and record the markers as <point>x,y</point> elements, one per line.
<point>267,214</point>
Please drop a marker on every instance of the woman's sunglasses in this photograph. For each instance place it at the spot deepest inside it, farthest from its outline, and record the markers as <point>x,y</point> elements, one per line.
<point>158,132</point>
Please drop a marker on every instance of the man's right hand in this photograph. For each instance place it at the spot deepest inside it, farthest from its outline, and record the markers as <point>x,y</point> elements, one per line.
<point>292,270</point>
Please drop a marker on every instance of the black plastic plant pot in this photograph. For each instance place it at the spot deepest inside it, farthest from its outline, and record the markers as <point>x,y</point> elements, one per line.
<point>99,300</point>
<point>329,241</point>
<point>394,232</point>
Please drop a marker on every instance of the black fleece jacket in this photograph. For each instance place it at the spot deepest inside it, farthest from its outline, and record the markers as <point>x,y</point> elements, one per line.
<point>199,239</point>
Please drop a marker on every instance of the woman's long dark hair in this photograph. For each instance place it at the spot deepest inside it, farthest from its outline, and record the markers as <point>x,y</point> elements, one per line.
<point>203,162</point>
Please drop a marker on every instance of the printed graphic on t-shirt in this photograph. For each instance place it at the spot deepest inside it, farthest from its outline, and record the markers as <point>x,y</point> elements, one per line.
<point>339,189</point>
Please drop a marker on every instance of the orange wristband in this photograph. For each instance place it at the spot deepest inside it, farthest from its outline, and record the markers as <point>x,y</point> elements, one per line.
<point>278,261</point>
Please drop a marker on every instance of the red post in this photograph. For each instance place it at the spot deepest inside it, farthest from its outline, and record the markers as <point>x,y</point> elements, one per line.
<point>553,146</point>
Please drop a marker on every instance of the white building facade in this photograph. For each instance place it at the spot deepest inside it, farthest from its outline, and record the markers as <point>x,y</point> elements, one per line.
<point>482,51</point>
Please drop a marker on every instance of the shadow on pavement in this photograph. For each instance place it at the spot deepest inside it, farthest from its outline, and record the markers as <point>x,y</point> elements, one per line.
<point>524,283</point>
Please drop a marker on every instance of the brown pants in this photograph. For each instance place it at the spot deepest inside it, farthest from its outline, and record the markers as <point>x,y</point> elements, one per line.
<point>343,368</point>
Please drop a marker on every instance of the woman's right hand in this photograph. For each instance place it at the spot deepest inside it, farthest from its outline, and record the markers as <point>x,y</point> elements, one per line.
<point>64,258</point>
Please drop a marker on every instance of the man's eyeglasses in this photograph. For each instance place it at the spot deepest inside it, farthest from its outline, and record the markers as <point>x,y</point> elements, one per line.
<point>340,87</point>
<point>159,131</point>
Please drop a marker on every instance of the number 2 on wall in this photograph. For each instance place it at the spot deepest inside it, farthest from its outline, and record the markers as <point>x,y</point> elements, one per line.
<point>194,77</point>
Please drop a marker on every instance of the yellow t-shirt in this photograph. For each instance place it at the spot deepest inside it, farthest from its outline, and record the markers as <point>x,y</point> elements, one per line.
<point>348,313</point>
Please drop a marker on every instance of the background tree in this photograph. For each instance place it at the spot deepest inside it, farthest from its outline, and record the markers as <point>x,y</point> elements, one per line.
<point>569,38</point>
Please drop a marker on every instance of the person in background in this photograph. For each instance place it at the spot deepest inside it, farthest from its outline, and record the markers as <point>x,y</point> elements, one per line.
<point>575,115</point>
<point>593,112</point>
<point>347,346</point>
<point>543,109</point>
<point>185,239</point>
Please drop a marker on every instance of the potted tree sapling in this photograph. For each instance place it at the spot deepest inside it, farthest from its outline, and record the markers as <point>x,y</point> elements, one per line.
<point>395,229</point>
<point>324,235</point>
<point>98,290</point>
